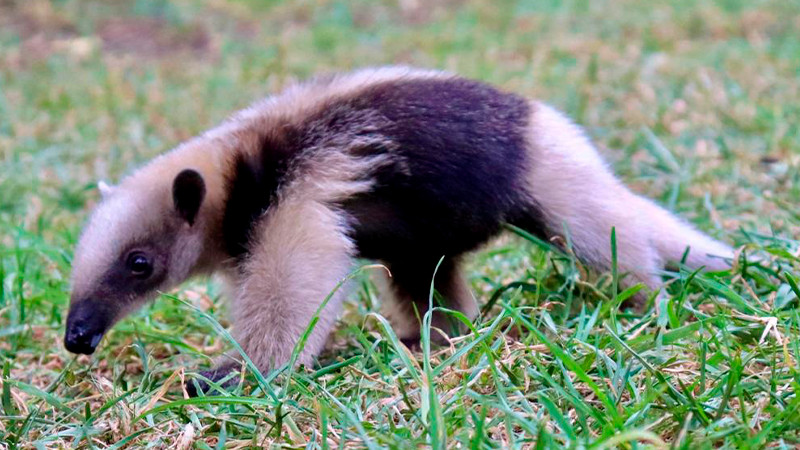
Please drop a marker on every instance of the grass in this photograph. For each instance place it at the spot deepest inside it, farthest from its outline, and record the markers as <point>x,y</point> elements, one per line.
<point>696,104</point>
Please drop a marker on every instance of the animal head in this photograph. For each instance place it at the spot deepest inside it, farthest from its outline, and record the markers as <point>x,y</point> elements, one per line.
<point>147,234</point>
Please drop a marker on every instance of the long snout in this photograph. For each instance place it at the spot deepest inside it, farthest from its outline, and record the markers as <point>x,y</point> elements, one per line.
<point>87,322</point>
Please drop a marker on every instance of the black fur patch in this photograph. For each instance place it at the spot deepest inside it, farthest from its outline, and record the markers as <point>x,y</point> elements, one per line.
<point>251,190</point>
<point>464,154</point>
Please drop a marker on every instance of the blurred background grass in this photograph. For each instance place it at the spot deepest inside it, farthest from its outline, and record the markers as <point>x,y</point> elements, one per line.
<point>693,103</point>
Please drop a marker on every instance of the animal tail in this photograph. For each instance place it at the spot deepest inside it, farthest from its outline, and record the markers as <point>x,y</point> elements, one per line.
<point>573,192</point>
<point>674,238</point>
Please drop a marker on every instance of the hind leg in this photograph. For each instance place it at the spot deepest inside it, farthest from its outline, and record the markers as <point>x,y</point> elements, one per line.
<point>410,288</point>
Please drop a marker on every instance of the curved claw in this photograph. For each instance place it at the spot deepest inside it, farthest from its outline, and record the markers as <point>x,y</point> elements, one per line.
<point>197,385</point>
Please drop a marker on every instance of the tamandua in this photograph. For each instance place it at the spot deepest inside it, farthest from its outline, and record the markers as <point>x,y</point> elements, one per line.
<point>399,165</point>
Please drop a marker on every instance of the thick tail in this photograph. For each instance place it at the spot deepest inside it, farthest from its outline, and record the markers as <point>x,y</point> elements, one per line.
<point>673,239</point>
<point>575,193</point>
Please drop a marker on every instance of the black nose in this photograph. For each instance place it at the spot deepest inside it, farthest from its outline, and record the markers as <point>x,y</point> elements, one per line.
<point>87,321</point>
<point>81,339</point>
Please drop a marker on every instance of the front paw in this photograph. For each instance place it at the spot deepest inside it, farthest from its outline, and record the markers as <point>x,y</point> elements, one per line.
<point>224,377</point>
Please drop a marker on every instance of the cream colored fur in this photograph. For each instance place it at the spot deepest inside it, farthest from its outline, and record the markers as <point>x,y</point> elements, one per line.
<point>580,196</point>
<point>299,253</point>
<point>298,259</point>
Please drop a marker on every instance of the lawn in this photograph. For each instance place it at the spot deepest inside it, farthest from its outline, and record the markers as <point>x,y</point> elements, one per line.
<point>695,104</point>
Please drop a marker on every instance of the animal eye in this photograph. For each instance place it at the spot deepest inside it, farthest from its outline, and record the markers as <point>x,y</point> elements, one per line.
<point>139,265</point>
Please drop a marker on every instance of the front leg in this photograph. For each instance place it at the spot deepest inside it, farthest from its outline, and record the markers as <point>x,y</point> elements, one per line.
<point>299,253</point>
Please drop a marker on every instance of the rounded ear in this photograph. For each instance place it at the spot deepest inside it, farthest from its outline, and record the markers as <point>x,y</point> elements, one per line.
<point>188,191</point>
<point>105,188</point>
